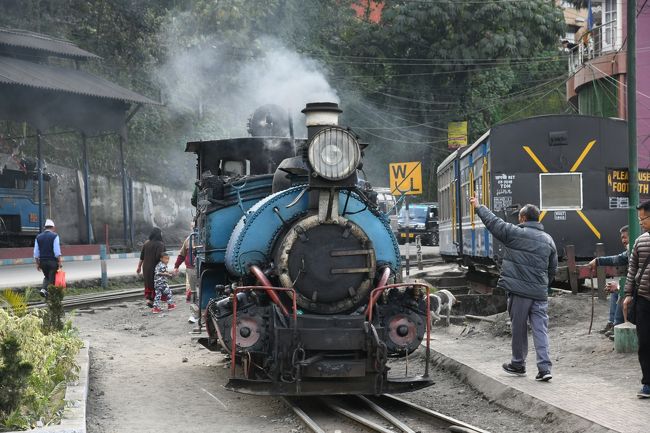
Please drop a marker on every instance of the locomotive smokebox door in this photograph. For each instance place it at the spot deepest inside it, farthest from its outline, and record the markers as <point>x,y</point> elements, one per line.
<point>331,266</point>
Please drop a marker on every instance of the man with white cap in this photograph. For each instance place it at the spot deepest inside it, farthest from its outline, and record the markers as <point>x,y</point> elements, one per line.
<point>47,254</point>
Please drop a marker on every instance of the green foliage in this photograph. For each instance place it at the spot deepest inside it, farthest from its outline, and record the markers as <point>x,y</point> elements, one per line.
<point>400,80</point>
<point>15,301</point>
<point>13,376</point>
<point>52,357</point>
<point>53,319</point>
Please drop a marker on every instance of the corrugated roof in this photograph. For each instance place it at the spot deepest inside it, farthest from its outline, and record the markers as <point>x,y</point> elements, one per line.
<point>41,76</point>
<point>48,44</point>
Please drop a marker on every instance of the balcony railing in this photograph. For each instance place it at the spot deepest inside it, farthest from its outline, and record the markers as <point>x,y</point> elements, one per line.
<point>601,40</point>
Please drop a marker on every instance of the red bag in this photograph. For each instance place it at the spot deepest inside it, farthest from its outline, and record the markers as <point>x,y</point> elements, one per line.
<point>59,280</point>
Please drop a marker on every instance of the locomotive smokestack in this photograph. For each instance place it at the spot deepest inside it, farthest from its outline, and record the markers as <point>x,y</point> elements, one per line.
<point>319,115</point>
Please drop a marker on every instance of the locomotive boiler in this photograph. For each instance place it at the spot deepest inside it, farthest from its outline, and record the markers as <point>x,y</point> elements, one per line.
<point>299,270</point>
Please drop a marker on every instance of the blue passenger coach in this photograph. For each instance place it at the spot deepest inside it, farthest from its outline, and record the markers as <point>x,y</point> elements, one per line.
<point>561,163</point>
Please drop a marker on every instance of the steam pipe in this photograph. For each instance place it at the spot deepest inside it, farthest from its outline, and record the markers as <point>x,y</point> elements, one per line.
<point>266,283</point>
<point>385,274</point>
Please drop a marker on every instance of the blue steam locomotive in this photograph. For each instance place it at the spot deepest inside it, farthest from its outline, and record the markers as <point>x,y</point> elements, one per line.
<point>18,205</point>
<point>299,270</point>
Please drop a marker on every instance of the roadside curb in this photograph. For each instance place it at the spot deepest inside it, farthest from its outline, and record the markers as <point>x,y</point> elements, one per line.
<point>76,395</point>
<point>516,400</point>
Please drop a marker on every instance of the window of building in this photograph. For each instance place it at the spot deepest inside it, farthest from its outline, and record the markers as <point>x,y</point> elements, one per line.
<point>609,25</point>
<point>560,191</point>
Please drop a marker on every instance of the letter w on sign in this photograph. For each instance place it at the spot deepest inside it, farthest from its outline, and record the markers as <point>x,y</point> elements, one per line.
<point>405,178</point>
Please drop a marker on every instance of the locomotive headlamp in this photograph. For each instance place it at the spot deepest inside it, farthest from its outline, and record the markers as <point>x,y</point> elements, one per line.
<point>334,153</point>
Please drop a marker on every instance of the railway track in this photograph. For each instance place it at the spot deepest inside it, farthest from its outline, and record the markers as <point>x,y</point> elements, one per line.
<point>72,302</point>
<point>385,414</point>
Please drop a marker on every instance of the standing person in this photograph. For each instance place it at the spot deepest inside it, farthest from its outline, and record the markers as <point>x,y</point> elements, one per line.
<point>47,254</point>
<point>528,269</point>
<point>161,285</point>
<point>149,258</point>
<point>186,255</point>
<point>616,290</point>
<point>638,274</point>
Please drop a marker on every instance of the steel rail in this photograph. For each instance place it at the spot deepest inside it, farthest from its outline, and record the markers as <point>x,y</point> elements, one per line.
<point>434,414</point>
<point>358,418</point>
<point>313,425</point>
<point>376,406</point>
<point>101,297</point>
<point>386,415</point>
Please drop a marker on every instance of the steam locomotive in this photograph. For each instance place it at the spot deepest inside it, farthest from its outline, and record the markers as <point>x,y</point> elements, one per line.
<point>299,270</point>
<point>19,203</point>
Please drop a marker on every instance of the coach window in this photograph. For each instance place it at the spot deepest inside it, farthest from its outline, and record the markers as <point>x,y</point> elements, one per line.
<point>560,191</point>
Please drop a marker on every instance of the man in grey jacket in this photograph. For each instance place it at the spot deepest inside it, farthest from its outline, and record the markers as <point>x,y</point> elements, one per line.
<point>527,271</point>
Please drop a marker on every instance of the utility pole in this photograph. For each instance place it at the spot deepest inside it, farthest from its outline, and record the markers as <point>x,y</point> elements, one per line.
<point>633,221</point>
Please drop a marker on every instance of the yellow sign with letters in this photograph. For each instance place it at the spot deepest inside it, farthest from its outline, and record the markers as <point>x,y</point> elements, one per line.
<point>405,178</point>
<point>456,134</point>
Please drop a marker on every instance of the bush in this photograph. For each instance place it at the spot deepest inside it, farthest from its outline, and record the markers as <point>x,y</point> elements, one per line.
<point>53,319</point>
<point>52,357</point>
<point>13,376</point>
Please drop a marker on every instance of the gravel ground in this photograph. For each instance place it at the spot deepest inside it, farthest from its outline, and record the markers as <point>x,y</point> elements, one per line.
<point>148,376</point>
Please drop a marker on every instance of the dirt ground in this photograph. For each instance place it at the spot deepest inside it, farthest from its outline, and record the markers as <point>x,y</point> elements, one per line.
<point>148,376</point>
<point>570,344</point>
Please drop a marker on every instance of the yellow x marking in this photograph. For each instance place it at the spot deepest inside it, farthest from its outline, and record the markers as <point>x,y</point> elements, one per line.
<point>575,167</point>
<point>582,155</point>
<point>534,157</point>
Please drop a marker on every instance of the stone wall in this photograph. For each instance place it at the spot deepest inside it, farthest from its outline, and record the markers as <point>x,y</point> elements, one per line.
<point>153,205</point>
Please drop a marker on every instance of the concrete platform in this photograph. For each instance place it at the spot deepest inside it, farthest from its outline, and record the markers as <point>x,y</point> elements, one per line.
<point>575,400</point>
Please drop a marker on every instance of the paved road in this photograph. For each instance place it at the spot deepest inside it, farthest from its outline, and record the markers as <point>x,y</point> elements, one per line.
<point>26,275</point>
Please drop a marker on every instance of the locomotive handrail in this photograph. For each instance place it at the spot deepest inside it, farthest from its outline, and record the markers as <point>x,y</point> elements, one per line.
<point>233,365</point>
<point>381,289</point>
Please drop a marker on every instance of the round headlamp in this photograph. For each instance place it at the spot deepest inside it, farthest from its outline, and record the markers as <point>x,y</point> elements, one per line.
<point>334,153</point>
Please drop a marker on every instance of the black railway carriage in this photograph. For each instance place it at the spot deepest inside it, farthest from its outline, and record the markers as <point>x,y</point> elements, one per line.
<point>558,162</point>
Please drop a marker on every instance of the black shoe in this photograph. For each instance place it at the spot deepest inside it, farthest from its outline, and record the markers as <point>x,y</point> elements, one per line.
<point>149,304</point>
<point>43,293</point>
<point>608,327</point>
<point>544,376</point>
<point>514,369</point>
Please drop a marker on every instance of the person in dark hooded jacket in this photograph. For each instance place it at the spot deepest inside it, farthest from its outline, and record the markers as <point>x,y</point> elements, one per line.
<point>527,271</point>
<point>149,258</point>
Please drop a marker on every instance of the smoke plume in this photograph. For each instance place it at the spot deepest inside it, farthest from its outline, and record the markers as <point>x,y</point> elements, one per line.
<point>222,89</point>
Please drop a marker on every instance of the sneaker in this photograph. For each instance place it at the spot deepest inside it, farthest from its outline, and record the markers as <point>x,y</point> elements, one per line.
<point>607,327</point>
<point>156,310</point>
<point>610,333</point>
<point>191,319</point>
<point>43,293</point>
<point>149,304</point>
<point>514,369</point>
<point>645,392</point>
<point>544,376</point>
<point>170,307</point>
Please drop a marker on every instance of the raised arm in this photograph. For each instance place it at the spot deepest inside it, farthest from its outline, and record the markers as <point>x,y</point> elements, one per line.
<point>500,229</point>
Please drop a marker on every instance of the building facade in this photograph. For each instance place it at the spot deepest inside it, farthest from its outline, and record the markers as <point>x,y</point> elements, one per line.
<point>597,83</point>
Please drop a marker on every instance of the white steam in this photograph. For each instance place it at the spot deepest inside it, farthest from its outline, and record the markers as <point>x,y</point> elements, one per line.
<point>222,89</point>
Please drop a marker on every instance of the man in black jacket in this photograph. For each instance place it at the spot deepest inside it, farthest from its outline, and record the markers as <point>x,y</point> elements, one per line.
<point>47,254</point>
<point>527,271</point>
